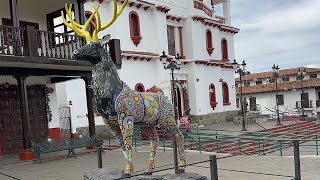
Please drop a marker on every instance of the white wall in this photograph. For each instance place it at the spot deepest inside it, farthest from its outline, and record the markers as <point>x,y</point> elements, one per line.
<point>268,100</point>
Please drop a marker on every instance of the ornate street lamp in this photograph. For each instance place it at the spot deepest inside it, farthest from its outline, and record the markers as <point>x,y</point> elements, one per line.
<point>241,70</point>
<point>173,65</point>
<point>275,70</point>
<point>301,73</point>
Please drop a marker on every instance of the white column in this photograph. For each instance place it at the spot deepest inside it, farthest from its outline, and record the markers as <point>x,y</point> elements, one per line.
<point>226,11</point>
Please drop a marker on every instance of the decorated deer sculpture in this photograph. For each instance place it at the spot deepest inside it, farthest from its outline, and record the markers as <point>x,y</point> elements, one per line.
<point>120,106</point>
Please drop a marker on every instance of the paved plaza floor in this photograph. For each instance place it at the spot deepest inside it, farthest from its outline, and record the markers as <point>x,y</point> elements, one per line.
<point>229,168</point>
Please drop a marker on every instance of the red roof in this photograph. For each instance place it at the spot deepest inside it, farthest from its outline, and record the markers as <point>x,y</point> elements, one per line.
<point>269,74</point>
<point>284,86</point>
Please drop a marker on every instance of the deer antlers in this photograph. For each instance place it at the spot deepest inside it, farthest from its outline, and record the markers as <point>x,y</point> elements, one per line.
<point>80,30</point>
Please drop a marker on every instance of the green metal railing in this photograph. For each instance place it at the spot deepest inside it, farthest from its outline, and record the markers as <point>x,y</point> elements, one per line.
<point>253,143</point>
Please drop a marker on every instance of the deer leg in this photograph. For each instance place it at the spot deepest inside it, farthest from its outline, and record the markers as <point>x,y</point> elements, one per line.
<point>126,127</point>
<point>154,139</point>
<point>180,145</point>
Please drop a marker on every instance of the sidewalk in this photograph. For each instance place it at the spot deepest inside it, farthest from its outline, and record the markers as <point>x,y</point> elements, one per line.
<point>73,169</point>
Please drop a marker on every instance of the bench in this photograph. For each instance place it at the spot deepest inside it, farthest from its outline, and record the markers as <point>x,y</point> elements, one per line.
<point>70,145</point>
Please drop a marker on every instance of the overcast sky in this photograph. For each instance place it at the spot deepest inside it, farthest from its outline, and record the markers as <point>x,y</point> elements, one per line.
<point>284,32</point>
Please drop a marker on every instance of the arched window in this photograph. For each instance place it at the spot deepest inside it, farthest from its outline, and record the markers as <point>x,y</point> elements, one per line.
<point>212,96</point>
<point>139,87</point>
<point>90,28</point>
<point>225,93</point>
<point>224,50</point>
<point>134,24</point>
<point>209,42</point>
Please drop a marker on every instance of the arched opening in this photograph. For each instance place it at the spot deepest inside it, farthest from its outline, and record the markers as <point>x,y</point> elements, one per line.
<point>225,93</point>
<point>212,96</point>
<point>209,43</point>
<point>139,87</point>
<point>90,28</point>
<point>224,49</point>
<point>134,24</point>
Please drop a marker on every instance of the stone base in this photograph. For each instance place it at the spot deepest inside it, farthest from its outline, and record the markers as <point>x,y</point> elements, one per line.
<point>26,156</point>
<point>109,174</point>
<point>213,118</point>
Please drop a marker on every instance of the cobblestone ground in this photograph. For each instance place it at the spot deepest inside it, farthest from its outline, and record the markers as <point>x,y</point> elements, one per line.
<point>73,169</point>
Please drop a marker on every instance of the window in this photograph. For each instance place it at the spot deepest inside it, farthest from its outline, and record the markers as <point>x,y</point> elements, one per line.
<point>259,81</point>
<point>284,79</point>
<point>224,49</point>
<point>253,103</point>
<point>139,87</point>
<point>246,84</point>
<point>298,78</point>
<point>55,23</point>
<point>171,40</point>
<point>272,80</point>
<point>237,84</point>
<point>212,96</point>
<point>305,100</point>
<point>209,41</point>
<point>90,28</point>
<point>225,92</point>
<point>280,99</point>
<point>313,76</point>
<point>134,24</point>
<point>238,102</point>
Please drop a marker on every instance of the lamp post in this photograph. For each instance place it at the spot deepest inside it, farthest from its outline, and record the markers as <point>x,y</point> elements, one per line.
<point>301,73</point>
<point>173,65</point>
<point>275,70</point>
<point>241,70</point>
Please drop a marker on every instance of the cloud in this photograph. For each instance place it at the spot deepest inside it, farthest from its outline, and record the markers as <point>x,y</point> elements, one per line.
<point>276,32</point>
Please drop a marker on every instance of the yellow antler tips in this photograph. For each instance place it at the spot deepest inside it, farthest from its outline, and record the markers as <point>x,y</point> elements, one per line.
<point>80,30</point>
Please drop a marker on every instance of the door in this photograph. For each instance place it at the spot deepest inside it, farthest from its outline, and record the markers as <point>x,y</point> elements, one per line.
<point>304,100</point>
<point>38,114</point>
<point>12,136</point>
<point>253,103</point>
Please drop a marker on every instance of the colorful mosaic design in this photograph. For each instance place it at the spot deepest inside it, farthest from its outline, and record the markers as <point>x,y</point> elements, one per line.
<point>144,108</point>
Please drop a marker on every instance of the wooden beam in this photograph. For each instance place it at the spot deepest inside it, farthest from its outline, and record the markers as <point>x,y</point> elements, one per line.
<point>81,11</point>
<point>42,72</point>
<point>24,108</point>
<point>92,125</point>
<point>14,12</point>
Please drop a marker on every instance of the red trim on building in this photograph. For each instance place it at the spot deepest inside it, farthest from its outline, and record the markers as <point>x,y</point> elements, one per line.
<point>224,49</point>
<point>135,32</point>
<point>54,133</point>
<point>215,23</point>
<point>209,43</point>
<point>174,18</point>
<point>212,96</point>
<point>201,6</point>
<point>74,135</point>
<point>163,9</point>
<point>225,94</point>
<point>139,87</point>
<point>181,42</point>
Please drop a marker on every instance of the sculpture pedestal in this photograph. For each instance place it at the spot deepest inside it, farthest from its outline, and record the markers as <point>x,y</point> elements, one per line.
<point>110,174</point>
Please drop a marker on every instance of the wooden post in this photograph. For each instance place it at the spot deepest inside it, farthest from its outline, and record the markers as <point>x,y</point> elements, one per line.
<point>24,108</point>
<point>30,42</point>
<point>81,11</point>
<point>88,82</point>
<point>16,31</point>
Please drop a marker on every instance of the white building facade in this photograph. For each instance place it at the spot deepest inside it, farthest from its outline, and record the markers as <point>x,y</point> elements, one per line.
<point>204,40</point>
<point>295,95</point>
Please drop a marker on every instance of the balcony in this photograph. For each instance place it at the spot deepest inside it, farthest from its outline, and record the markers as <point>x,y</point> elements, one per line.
<point>304,104</point>
<point>17,41</point>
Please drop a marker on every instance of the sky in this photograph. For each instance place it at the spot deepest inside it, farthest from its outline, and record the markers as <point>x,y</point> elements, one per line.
<point>283,32</point>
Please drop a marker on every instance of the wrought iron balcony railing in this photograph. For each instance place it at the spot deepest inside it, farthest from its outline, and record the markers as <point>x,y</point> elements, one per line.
<point>304,104</point>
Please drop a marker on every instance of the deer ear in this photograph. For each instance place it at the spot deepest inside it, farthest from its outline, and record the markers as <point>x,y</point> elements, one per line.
<point>105,40</point>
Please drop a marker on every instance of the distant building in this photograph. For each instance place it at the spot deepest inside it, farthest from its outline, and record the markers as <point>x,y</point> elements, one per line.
<point>260,91</point>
